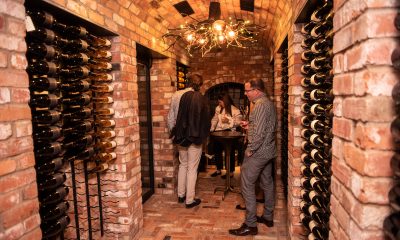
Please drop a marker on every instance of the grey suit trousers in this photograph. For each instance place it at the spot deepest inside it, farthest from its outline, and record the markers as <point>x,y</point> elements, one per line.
<point>251,169</point>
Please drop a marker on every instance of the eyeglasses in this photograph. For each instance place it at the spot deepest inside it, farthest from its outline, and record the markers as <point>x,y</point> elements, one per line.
<point>246,91</point>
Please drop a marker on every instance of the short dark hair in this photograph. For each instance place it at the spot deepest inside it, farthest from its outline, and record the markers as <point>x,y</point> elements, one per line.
<point>257,84</point>
<point>195,80</point>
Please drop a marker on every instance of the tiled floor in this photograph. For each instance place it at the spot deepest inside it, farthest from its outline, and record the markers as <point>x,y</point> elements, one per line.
<point>165,218</point>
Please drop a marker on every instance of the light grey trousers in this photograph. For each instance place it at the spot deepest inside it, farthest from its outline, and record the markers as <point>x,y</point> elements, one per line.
<point>251,169</point>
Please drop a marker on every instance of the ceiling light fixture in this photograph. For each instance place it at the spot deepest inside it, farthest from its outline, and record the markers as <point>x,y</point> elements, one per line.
<point>214,32</point>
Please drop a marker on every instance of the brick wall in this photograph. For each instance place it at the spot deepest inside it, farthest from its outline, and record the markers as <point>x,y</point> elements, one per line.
<point>363,108</point>
<point>19,218</point>
<point>234,65</point>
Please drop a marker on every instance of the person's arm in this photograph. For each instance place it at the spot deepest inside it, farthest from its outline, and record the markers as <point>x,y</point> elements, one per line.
<point>214,120</point>
<point>237,117</point>
<point>171,118</point>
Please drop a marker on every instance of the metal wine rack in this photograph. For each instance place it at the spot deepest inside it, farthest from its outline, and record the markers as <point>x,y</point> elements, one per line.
<point>317,122</point>
<point>181,76</point>
<point>80,67</point>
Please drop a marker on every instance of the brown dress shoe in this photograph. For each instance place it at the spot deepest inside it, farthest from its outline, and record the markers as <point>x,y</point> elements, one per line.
<point>244,230</point>
<point>268,223</point>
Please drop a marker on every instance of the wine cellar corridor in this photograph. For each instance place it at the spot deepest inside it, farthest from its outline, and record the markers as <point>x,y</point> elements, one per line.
<point>87,93</point>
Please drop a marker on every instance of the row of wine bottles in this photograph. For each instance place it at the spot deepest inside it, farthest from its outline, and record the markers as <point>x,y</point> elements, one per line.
<point>69,73</point>
<point>181,74</point>
<point>284,120</point>
<point>391,224</point>
<point>317,108</point>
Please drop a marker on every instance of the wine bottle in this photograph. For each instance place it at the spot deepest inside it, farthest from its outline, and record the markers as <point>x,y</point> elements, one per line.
<point>79,86</point>
<point>319,199</point>
<point>40,51</point>
<point>306,133</point>
<point>41,35</point>
<point>317,155</point>
<point>74,72</point>
<point>318,215</point>
<point>102,88</point>
<point>77,114</point>
<point>42,68</point>
<point>77,100</point>
<point>304,206</point>
<point>320,14</point>
<point>307,42</point>
<point>104,112</point>
<point>321,64</point>
<point>306,146</point>
<point>53,196</point>
<point>306,29</point>
<point>306,121</point>
<point>318,170</point>
<point>80,128</point>
<point>319,95</point>
<point>181,80</point>
<point>321,28</point>
<point>51,181</point>
<point>105,134</point>
<point>306,69</point>
<point>305,195</point>
<point>321,110</point>
<point>86,154</point>
<point>101,77</point>
<point>46,132</point>
<point>99,55</point>
<point>391,226</point>
<point>74,59</point>
<point>317,141</point>
<point>52,212</point>
<point>307,56</point>
<point>318,185</point>
<point>77,32</point>
<point>321,45</point>
<point>319,79</point>
<point>50,166</point>
<point>45,116</point>
<point>53,230</point>
<point>99,66</point>
<point>43,101</point>
<point>99,43</point>
<point>305,171</point>
<point>79,143</point>
<point>305,183</point>
<point>318,230</point>
<point>305,220</point>
<point>306,159</point>
<point>306,108</point>
<point>395,130</point>
<point>319,126</point>
<point>105,123</point>
<point>45,19</point>
<point>106,157</point>
<point>103,100</point>
<point>395,164</point>
<point>98,168</point>
<point>394,197</point>
<point>73,46</point>
<point>46,149</point>
<point>305,95</point>
<point>43,84</point>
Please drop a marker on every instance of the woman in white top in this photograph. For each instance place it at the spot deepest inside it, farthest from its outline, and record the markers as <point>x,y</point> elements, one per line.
<point>226,118</point>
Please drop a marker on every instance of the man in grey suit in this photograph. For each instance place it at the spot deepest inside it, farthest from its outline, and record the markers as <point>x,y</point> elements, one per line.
<point>259,156</point>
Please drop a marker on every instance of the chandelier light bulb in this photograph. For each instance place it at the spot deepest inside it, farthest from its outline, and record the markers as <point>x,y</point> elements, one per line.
<point>231,34</point>
<point>219,25</point>
<point>202,41</point>
<point>189,37</point>
<point>221,38</point>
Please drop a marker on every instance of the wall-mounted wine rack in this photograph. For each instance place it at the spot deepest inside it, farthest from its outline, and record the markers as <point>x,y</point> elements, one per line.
<point>317,122</point>
<point>284,120</point>
<point>181,76</point>
<point>71,102</point>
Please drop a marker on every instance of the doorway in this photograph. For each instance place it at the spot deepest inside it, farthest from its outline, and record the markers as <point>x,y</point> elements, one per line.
<point>144,60</point>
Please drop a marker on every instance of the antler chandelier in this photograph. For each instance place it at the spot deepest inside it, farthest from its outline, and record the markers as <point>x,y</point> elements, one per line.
<point>214,32</point>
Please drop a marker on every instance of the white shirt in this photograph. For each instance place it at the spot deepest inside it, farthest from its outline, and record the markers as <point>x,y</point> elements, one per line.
<point>174,107</point>
<point>234,120</point>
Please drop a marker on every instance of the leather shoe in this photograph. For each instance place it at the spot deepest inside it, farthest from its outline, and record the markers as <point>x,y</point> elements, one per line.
<point>195,202</point>
<point>216,173</point>
<point>244,230</point>
<point>181,199</point>
<point>268,223</point>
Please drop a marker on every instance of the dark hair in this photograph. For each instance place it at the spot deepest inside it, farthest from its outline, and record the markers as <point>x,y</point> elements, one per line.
<point>195,80</point>
<point>228,102</point>
<point>257,84</point>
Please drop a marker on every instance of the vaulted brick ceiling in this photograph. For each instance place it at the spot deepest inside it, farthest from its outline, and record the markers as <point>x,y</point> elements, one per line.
<point>269,13</point>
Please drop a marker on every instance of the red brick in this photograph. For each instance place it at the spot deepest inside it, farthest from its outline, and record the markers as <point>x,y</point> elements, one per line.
<point>19,179</point>
<point>11,112</point>
<point>32,222</point>
<point>16,27</point>
<point>370,216</point>
<point>10,78</point>
<point>19,213</point>
<point>342,40</point>
<point>373,136</point>
<point>12,8</point>
<point>25,160</point>
<point>30,191</point>
<point>378,23</point>
<point>7,166</point>
<point>381,3</point>
<point>12,43</point>
<point>5,131</point>
<point>5,96</point>
<point>377,81</point>
<point>36,234</point>
<point>3,56</point>
<point>341,171</point>
<point>9,200</point>
<point>374,109</point>
<point>343,128</point>
<point>13,233</point>
<point>23,128</point>
<point>14,146</point>
<point>371,190</point>
<point>343,84</point>
<point>18,61</point>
